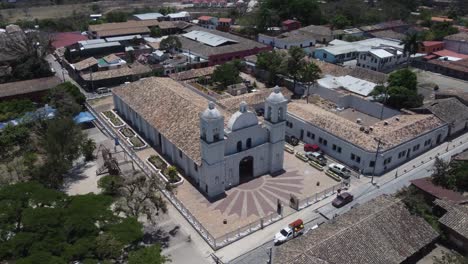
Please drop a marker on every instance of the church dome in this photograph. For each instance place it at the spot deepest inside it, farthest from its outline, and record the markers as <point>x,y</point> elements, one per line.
<point>242,118</point>
<point>211,112</point>
<point>276,96</point>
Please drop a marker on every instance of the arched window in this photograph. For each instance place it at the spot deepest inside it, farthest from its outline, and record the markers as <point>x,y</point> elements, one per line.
<point>280,113</point>
<point>249,143</point>
<point>239,146</point>
<point>269,113</point>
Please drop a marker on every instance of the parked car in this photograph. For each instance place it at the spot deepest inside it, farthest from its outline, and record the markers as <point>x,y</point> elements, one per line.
<point>294,229</point>
<point>317,157</point>
<point>102,90</point>
<point>342,199</point>
<point>311,148</point>
<point>292,140</point>
<point>340,170</point>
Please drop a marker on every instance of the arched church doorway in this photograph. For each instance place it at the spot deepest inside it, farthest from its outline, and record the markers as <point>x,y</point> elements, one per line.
<point>246,169</point>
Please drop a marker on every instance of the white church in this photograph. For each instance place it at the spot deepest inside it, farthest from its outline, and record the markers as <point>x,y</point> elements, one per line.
<point>215,147</point>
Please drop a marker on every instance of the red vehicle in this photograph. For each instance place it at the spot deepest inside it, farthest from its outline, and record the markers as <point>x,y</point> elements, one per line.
<point>342,199</point>
<point>311,148</point>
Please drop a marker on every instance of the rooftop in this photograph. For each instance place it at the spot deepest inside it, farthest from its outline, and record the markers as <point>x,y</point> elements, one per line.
<point>231,104</point>
<point>123,25</point>
<point>202,49</point>
<point>171,107</point>
<point>208,38</point>
<point>449,53</point>
<point>439,192</point>
<point>28,86</point>
<point>461,65</point>
<point>392,131</point>
<point>84,64</point>
<point>431,43</point>
<point>381,231</point>
<point>449,110</point>
<point>64,39</point>
<point>390,34</point>
<point>134,69</point>
<point>192,74</point>
<point>318,30</point>
<point>462,36</point>
<point>148,16</point>
<point>350,83</point>
<point>122,31</point>
<point>456,217</point>
<point>131,37</point>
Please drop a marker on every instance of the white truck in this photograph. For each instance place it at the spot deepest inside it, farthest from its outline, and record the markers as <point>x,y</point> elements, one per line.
<point>293,230</point>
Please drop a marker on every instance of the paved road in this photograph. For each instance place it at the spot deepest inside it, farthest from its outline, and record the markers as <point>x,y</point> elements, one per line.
<point>387,184</point>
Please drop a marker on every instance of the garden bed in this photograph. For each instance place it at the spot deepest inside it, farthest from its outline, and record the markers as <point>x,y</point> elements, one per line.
<point>157,162</point>
<point>113,118</point>
<point>127,132</point>
<point>333,175</point>
<point>137,142</point>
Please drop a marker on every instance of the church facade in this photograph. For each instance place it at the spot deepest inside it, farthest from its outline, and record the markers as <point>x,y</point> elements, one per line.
<point>216,148</point>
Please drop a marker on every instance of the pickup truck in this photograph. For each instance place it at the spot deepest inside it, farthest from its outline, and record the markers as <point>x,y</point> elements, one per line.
<point>293,230</point>
<point>317,157</point>
<point>340,170</point>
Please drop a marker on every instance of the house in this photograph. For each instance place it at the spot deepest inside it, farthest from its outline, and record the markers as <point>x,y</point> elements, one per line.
<point>110,62</point>
<point>89,64</point>
<point>388,34</point>
<point>224,24</point>
<point>395,25</point>
<point>107,30</point>
<point>459,93</point>
<point>348,32</point>
<point>217,47</point>
<point>290,24</point>
<point>286,40</point>
<point>216,148</point>
<point>430,46</point>
<point>208,22</point>
<point>433,192</point>
<point>321,34</point>
<point>92,47</point>
<point>193,74</point>
<point>457,69</point>
<point>381,231</point>
<point>345,51</point>
<point>455,223</point>
<point>34,89</point>
<point>180,16</point>
<point>457,42</point>
<point>384,59</point>
<point>451,111</point>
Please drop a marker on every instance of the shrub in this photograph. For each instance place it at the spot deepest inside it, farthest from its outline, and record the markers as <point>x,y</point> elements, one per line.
<point>172,174</point>
<point>110,184</point>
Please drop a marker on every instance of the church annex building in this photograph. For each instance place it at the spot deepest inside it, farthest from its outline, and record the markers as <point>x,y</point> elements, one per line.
<point>215,147</point>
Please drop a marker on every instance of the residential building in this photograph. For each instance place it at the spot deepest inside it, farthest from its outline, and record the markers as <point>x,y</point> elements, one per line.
<point>119,29</point>
<point>348,83</point>
<point>430,46</point>
<point>381,231</point>
<point>459,93</point>
<point>457,69</point>
<point>296,38</point>
<point>457,42</point>
<point>321,34</point>
<point>110,62</point>
<point>208,22</point>
<point>384,59</point>
<point>217,47</point>
<point>180,16</point>
<point>433,192</point>
<point>64,39</point>
<point>34,89</point>
<point>388,34</point>
<point>89,64</point>
<point>454,223</point>
<point>351,131</point>
<point>216,148</point>
<point>193,74</point>
<point>395,25</point>
<point>290,25</point>
<point>93,47</point>
<point>224,24</point>
<point>344,51</point>
<point>345,33</point>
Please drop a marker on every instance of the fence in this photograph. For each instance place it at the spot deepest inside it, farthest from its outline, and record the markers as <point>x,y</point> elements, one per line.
<point>306,202</point>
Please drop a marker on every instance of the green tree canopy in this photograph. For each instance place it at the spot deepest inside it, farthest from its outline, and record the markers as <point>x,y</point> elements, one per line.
<point>148,255</point>
<point>226,74</point>
<point>40,225</point>
<point>340,22</point>
<point>271,61</point>
<point>170,43</point>
<point>405,78</point>
<point>116,16</point>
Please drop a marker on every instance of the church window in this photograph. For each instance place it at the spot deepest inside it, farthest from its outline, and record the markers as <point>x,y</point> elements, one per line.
<point>249,143</point>
<point>180,153</point>
<point>269,113</point>
<point>239,146</point>
<point>280,113</point>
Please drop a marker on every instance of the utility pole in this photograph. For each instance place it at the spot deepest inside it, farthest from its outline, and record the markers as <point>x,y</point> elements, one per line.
<point>379,141</point>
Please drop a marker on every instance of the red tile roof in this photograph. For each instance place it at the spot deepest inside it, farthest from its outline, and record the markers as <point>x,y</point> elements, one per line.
<point>439,192</point>
<point>64,39</point>
<point>431,43</point>
<point>205,18</point>
<point>225,20</point>
<point>441,19</point>
<point>449,53</point>
<point>290,21</point>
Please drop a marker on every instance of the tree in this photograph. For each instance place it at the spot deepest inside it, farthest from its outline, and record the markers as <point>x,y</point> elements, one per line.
<point>271,61</point>
<point>410,45</point>
<point>309,76</point>
<point>416,204</point>
<point>405,78</point>
<point>294,64</point>
<point>64,102</point>
<point>87,148</point>
<point>156,32</point>
<point>111,184</point>
<point>440,171</point>
<point>15,108</point>
<point>116,16</point>
<point>340,22</point>
<point>453,175</point>
<point>170,43</point>
<point>148,255</point>
<point>226,74</point>
<point>172,174</point>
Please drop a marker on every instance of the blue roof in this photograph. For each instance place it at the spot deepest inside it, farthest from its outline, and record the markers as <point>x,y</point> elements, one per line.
<point>83,117</point>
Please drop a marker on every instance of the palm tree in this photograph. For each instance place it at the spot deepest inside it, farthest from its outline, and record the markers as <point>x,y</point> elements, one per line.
<point>308,75</point>
<point>410,45</point>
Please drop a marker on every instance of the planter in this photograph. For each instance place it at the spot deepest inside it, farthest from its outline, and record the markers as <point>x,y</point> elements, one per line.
<point>113,118</point>
<point>316,165</point>
<point>289,148</point>
<point>302,156</point>
<point>171,183</point>
<point>157,162</point>
<point>127,132</point>
<point>137,143</point>
<point>333,175</point>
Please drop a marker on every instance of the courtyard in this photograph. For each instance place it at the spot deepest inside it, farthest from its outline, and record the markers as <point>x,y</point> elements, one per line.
<point>248,203</point>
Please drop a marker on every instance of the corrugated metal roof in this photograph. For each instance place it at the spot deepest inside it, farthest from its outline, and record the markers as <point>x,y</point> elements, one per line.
<point>381,53</point>
<point>207,38</point>
<point>148,16</point>
<point>101,45</point>
<point>123,38</point>
<point>91,41</point>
